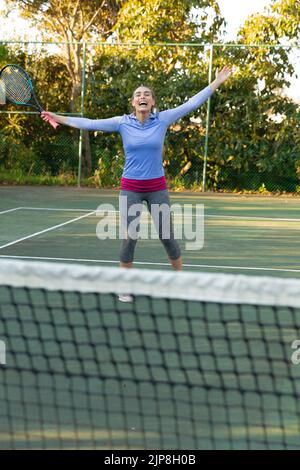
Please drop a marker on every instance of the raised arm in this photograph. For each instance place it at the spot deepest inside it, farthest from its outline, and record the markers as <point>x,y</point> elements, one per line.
<point>105,125</point>
<point>172,115</point>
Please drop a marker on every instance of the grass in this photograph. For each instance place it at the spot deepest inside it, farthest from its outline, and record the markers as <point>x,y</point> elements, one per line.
<point>18,178</point>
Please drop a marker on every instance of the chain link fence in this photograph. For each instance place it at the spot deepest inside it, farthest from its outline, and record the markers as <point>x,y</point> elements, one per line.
<point>30,151</point>
<point>245,138</point>
<point>254,128</point>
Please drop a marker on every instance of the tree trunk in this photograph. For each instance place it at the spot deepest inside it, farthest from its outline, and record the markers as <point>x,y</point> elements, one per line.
<point>87,153</point>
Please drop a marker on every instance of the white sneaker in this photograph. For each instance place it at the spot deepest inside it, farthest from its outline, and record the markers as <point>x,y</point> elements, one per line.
<point>126,298</point>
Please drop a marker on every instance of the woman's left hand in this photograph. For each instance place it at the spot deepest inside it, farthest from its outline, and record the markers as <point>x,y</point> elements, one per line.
<point>224,74</point>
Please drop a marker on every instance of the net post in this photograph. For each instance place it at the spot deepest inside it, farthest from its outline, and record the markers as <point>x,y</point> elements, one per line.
<point>80,147</point>
<point>207,120</point>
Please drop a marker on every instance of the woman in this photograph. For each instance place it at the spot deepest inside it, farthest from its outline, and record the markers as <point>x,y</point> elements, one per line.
<point>143,179</point>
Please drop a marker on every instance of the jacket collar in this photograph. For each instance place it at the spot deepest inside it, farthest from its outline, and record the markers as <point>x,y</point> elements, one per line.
<point>151,116</point>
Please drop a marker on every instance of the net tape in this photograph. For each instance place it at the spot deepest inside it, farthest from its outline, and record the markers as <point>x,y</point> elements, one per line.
<point>206,287</point>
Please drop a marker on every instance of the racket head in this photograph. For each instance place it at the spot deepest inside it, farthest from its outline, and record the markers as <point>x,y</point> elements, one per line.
<point>18,86</point>
<point>2,92</point>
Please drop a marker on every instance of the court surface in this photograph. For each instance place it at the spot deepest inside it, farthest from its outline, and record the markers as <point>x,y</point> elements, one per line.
<point>248,234</point>
<point>256,235</point>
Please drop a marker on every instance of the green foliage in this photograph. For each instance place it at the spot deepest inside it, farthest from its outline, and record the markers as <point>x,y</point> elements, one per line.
<point>3,54</point>
<point>254,130</point>
<point>109,170</point>
<point>280,23</point>
<point>119,70</point>
<point>286,18</point>
<point>18,177</point>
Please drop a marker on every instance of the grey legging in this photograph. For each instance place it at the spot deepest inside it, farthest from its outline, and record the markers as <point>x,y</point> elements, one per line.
<point>131,204</point>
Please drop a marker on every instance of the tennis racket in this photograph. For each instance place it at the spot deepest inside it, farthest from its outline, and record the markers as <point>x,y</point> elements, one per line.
<point>16,87</point>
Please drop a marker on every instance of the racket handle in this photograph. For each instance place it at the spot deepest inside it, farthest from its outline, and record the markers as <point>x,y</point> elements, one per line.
<point>48,118</point>
<point>52,122</point>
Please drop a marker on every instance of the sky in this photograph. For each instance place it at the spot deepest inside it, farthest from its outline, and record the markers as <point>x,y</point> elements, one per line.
<point>235,12</point>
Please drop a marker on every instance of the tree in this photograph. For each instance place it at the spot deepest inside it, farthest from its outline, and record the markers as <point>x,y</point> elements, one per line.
<point>75,21</point>
<point>254,133</point>
<point>279,23</point>
<point>72,22</point>
<point>254,127</point>
<point>286,18</point>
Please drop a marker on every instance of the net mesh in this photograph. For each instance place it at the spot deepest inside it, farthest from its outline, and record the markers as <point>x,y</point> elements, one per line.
<point>191,363</point>
<point>17,85</point>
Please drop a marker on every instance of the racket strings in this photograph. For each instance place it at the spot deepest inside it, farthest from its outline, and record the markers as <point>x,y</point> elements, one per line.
<point>16,85</point>
<point>2,92</point>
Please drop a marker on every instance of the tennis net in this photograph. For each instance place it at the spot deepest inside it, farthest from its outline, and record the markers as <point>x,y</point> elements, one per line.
<point>196,361</point>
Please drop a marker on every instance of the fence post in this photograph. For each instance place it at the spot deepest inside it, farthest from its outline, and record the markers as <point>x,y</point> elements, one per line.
<point>80,147</point>
<point>207,120</point>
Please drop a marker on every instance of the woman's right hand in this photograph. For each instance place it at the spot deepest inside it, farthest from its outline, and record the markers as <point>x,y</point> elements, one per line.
<point>47,116</point>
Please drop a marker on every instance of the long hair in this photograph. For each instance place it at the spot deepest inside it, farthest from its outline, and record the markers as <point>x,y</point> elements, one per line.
<point>154,108</point>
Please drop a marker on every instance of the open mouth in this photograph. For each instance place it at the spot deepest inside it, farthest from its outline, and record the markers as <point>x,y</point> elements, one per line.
<point>143,103</point>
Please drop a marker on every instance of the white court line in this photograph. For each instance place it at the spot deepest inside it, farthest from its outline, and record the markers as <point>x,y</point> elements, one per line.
<point>214,216</point>
<point>245,217</point>
<point>146,263</point>
<point>11,210</point>
<point>54,209</point>
<point>46,230</point>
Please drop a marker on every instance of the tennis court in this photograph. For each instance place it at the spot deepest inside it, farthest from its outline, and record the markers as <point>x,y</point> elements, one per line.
<point>256,235</point>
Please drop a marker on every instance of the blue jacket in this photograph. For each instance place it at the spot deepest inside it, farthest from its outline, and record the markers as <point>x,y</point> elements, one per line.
<point>143,144</point>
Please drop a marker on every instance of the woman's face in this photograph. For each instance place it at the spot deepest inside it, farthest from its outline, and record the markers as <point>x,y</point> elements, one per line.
<point>142,100</point>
